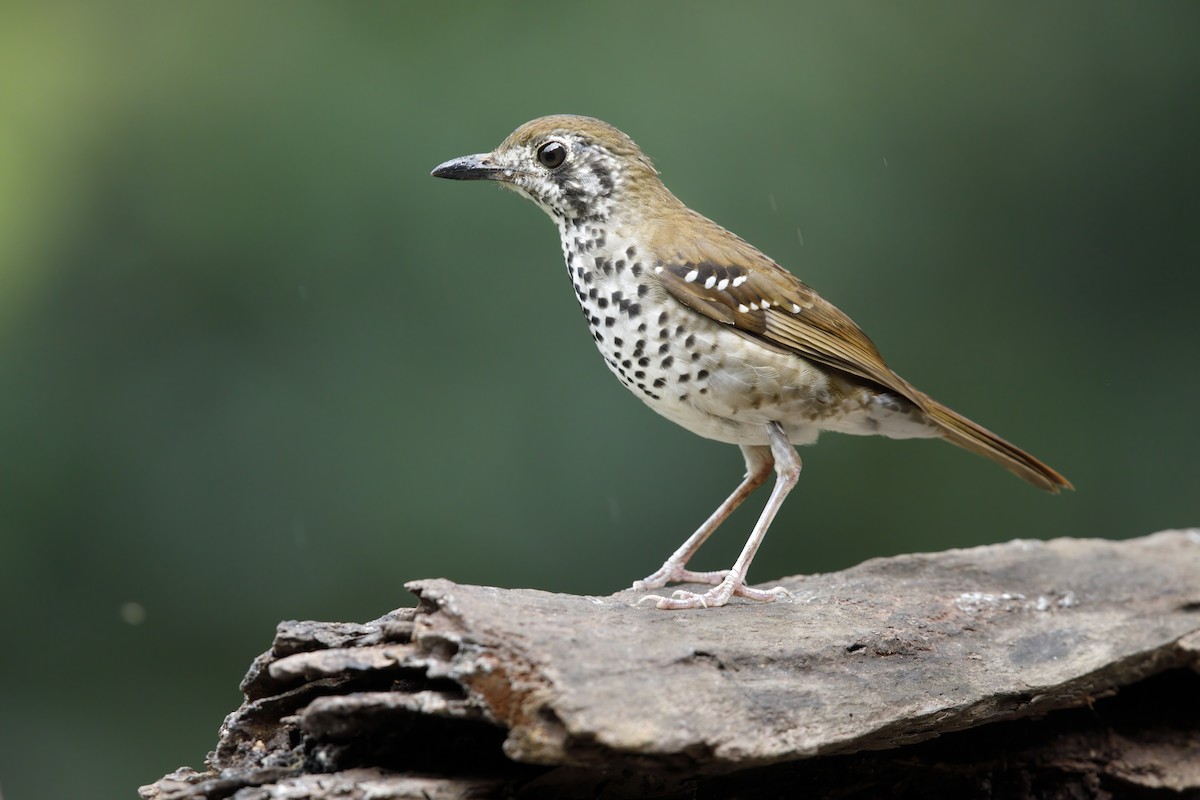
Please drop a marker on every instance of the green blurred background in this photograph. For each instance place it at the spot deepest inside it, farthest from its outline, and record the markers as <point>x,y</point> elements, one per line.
<point>255,364</point>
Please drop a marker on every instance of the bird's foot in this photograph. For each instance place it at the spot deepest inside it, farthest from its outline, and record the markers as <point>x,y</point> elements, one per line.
<point>715,597</point>
<point>675,573</point>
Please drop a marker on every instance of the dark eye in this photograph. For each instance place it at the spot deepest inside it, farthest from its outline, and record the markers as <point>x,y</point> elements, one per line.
<point>551,155</point>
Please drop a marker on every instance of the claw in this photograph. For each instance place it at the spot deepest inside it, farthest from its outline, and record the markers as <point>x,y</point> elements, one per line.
<point>715,597</point>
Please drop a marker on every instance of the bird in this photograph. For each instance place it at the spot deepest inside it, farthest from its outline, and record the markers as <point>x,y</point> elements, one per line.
<point>711,333</point>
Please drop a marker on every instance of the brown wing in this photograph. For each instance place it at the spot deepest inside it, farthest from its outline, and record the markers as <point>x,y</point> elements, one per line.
<point>728,280</point>
<point>764,300</point>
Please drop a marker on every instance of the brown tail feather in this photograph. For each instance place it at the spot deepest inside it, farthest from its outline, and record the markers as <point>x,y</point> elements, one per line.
<point>966,434</point>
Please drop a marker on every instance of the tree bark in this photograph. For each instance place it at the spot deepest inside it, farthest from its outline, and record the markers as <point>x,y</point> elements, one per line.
<point>1029,669</point>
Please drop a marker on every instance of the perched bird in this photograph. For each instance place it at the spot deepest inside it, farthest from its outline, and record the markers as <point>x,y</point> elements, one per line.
<point>711,333</point>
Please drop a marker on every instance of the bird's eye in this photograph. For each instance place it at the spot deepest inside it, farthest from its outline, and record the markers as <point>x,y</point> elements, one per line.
<point>551,155</point>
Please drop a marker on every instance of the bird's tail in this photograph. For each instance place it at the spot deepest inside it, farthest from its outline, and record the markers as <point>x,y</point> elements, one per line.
<point>966,434</point>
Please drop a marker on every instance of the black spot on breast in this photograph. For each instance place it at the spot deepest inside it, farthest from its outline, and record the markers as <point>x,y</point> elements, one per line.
<point>702,374</point>
<point>667,362</point>
<point>642,328</point>
<point>609,321</point>
<point>664,334</point>
<point>620,265</point>
<point>643,361</point>
<point>630,251</point>
<point>664,347</point>
<point>618,341</point>
<point>685,377</point>
<point>689,341</point>
<point>659,383</point>
<point>634,309</point>
<point>662,318</point>
<point>602,302</point>
<point>642,289</point>
<point>636,269</point>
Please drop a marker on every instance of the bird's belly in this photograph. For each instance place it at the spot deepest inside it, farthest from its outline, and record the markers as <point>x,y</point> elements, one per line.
<point>745,391</point>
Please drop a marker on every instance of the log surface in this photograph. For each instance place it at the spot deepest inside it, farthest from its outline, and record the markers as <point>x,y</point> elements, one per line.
<point>482,691</point>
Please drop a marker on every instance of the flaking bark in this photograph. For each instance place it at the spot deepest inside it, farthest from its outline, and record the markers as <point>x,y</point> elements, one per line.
<point>1028,669</point>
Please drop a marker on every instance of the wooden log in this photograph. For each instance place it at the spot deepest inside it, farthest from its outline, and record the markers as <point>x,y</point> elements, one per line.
<point>1029,669</point>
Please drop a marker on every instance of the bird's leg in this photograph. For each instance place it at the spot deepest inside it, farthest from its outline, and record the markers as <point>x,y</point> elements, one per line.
<point>758,466</point>
<point>787,468</point>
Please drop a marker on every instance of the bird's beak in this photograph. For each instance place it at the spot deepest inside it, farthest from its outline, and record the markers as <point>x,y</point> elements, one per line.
<point>478,167</point>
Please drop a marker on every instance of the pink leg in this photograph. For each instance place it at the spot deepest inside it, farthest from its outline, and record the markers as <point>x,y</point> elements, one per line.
<point>758,466</point>
<point>787,468</point>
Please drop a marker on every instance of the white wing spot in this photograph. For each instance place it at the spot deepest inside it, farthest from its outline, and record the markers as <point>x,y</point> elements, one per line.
<point>691,276</point>
<point>742,308</point>
<point>739,280</point>
<point>722,284</point>
<point>711,282</point>
<point>754,306</point>
<point>795,308</point>
<point>764,303</point>
<point>658,269</point>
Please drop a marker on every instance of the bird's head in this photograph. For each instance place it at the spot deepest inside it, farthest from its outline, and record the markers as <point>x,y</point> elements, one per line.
<point>576,168</point>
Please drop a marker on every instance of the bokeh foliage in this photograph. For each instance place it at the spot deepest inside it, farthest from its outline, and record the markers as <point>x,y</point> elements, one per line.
<point>256,365</point>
